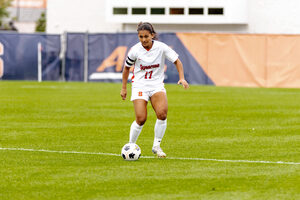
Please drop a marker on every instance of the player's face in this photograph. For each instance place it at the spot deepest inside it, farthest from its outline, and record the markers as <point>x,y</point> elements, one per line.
<point>145,38</point>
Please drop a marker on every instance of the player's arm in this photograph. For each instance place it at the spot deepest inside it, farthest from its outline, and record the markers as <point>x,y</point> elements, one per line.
<point>124,82</point>
<point>179,68</point>
<point>130,60</point>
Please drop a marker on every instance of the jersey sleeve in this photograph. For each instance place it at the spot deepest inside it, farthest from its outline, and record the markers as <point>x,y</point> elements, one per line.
<point>131,58</point>
<point>171,55</point>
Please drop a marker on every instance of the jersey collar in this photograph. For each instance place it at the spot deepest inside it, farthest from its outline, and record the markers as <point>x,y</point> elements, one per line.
<point>151,46</point>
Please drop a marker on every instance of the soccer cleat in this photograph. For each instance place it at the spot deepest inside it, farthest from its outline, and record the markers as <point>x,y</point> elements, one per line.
<point>159,152</point>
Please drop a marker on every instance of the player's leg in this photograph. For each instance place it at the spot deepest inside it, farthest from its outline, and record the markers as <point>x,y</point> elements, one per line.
<point>160,105</point>
<point>140,108</point>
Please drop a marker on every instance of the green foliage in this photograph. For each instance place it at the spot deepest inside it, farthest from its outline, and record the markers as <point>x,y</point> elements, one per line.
<point>203,122</point>
<point>41,23</point>
<point>4,4</point>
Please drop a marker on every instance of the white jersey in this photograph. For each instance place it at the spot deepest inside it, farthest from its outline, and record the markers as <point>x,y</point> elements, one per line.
<point>149,64</point>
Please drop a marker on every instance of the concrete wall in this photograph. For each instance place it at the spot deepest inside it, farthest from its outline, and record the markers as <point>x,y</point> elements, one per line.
<point>264,16</point>
<point>274,16</point>
<point>78,16</point>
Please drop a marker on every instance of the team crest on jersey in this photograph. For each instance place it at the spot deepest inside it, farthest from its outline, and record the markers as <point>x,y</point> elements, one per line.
<point>140,94</point>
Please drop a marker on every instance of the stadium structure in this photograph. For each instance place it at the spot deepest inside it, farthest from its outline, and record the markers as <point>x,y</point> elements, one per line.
<point>88,41</point>
<point>242,16</point>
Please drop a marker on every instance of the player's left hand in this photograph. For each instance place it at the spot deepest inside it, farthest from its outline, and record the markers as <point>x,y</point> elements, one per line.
<point>184,83</point>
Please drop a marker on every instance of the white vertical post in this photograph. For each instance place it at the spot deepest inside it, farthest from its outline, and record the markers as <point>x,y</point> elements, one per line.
<point>63,55</point>
<point>86,56</point>
<point>39,62</point>
<point>1,60</point>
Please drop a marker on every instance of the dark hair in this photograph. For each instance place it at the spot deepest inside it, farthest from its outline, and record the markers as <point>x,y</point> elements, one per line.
<point>146,26</point>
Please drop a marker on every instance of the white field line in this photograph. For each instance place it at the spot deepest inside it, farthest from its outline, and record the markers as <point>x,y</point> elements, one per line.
<point>151,157</point>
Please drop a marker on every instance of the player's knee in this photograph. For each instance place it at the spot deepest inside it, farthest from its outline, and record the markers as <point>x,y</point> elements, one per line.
<point>140,120</point>
<point>162,115</point>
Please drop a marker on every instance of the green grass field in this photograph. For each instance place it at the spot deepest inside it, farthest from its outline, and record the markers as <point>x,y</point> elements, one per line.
<point>235,126</point>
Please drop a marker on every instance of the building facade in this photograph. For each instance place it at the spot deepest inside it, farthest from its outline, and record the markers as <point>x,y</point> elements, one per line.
<point>242,16</point>
<point>25,13</point>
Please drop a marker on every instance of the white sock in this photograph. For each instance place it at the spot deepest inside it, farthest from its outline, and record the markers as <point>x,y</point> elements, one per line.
<point>159,130</point>
<point>135,131</point>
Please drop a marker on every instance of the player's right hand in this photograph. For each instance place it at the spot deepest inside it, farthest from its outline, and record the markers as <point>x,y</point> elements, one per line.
<point>123,93</point>
<point>184,83</point>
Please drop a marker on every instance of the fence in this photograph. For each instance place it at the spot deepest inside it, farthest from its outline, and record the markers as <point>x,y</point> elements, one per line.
<point>215,59</point>
<point>19,56</point>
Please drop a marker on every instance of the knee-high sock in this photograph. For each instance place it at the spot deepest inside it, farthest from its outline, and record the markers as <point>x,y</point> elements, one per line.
<point>159,130</point>
<point>135,131</point>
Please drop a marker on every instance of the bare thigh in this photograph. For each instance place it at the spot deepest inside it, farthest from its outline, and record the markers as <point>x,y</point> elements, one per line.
<point>140,108</point>
<point>159,103</point>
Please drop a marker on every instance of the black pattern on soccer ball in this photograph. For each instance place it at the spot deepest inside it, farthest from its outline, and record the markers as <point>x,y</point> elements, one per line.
<point>123,155</point>
<point>131,155</point>
<point>127,148</point>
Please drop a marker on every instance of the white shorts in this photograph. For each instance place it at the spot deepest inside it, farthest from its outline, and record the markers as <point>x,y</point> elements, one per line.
<point>139,93</point>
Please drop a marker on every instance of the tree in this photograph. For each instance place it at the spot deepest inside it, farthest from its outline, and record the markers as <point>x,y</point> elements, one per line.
<point>41,23</point>
<point>4,4</point>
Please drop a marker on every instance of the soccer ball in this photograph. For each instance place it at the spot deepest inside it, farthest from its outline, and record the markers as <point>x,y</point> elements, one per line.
<point>131,151</point>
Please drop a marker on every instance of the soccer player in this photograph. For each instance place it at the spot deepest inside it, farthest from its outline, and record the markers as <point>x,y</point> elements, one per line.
<point>148,57</point>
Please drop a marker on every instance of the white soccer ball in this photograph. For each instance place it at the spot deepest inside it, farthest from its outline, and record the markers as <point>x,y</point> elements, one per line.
<point>131,151</point>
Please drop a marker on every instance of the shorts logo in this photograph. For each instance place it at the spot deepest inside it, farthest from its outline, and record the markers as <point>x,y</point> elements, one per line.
<point>140,94</point>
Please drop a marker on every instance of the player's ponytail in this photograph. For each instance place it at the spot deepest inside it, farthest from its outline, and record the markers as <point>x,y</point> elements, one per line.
<point>147,26</point>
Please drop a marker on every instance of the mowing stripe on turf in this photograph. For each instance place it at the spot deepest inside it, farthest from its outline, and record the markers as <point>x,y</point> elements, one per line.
<point>170,158</point>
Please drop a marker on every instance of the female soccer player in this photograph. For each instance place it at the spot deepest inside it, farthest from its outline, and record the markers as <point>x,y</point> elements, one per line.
<point>148,57</point>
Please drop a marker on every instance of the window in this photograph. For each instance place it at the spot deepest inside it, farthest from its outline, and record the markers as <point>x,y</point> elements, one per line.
<point>215,11</point>
<point>157,11</point>
<point>172,11</point>
<point>120,11</point>
<point>176,11</point>
<point>138,11</point>
<point>196,11</point>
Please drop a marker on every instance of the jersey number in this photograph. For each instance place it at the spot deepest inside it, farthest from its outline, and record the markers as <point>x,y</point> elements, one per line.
<point>148,75</point>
